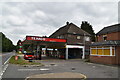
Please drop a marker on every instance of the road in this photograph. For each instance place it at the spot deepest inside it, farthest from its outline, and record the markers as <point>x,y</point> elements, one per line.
<point>4,58</point>
<point>91,70</point>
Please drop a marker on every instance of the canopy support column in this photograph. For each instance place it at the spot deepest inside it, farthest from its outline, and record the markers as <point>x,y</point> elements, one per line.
<point>83,56</point>
<point>66,57</point>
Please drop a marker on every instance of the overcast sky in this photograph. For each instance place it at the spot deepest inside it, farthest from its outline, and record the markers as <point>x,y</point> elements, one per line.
<point>43,18</point>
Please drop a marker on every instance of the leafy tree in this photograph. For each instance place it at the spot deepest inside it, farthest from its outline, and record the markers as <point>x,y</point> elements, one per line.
<point>88,28</point>
<point>7,45</point>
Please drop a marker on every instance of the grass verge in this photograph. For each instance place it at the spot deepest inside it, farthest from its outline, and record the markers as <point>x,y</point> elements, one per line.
<point>22,62</point>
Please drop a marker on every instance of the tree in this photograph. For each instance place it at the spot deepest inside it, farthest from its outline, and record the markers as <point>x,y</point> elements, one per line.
<point>88,28</point>
<point>17,47</point>
<point>7,45</point>
<point>18,42</point>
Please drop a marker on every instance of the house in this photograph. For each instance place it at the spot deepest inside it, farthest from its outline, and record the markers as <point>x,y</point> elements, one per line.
<point>107,48</point>
<point>78,41</point>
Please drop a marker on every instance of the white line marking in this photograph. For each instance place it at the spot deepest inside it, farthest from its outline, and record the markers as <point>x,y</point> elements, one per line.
<point>43,69</point>
<point>5,65</point>
<point>8,59</point>
<point>5,68</point>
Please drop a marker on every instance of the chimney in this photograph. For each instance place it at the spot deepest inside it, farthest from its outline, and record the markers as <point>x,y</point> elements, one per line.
<point>67,23</point>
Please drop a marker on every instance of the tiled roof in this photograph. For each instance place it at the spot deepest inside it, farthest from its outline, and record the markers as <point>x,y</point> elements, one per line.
<point>107,43</point>
<point>69,29</point>
<point>109,29</point>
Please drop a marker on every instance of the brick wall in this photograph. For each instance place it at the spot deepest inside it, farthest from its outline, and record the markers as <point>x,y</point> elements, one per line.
<point>72,39</point>
<point>103,59</point>
<point>118,55</point>
<point>110,36</point>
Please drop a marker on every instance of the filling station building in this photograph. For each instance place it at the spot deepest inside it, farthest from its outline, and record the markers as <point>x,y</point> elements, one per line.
<point>67,42</point>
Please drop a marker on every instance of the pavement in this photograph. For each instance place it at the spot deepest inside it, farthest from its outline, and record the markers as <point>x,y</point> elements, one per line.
<point>58,75</point>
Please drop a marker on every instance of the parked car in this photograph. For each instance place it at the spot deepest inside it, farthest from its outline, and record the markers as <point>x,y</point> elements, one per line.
<point>29,56</point>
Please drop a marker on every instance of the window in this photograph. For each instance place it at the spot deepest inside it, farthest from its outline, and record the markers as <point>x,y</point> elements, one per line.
<point>58,36</point>
<point>99,51</point>
<point>78,37</point>
<point>94,51</point>
<point>106,51</point>
<point>102,51</point>
<point>61,36</point>
<point>104,37</point>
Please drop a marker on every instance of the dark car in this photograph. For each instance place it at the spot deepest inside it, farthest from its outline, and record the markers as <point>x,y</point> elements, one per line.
<point>29,56</point>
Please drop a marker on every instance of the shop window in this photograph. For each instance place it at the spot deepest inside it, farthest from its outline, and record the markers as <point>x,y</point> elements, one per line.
<point>106,51</point>
<point>100,51</point>
<point>94,51</point>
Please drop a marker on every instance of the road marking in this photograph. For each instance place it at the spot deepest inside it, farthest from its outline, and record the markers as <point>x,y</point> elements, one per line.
<point>42,69</point>
<point>5,68</point>
<point>7,59</point>
<point>5,65</point>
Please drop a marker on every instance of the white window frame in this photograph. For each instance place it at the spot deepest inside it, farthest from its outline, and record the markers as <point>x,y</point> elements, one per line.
<point>111,47</point>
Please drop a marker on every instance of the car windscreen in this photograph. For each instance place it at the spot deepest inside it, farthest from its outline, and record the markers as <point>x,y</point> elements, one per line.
<point>29,54</point>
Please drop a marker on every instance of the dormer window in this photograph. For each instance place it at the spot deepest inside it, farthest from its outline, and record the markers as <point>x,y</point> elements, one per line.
<point>104,37</point>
